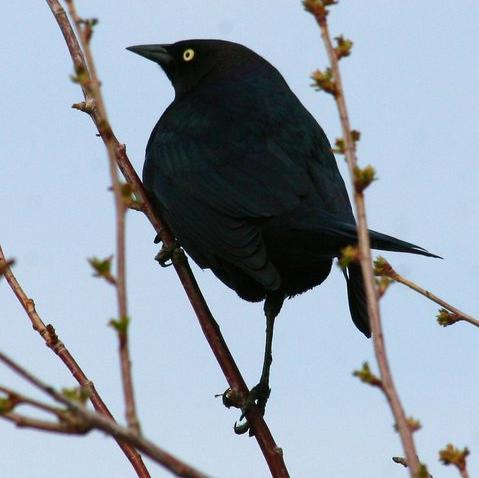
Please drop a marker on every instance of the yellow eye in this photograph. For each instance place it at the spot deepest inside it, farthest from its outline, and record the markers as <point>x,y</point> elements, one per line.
<point>188,54</point>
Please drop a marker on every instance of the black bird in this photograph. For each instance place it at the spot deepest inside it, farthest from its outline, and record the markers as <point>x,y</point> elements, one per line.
<point>247,181</point>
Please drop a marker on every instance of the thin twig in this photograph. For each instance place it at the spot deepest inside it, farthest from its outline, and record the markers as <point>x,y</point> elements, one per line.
<point>47,332</point>
<point>271,452</point>
<point>22,421</point>
<point>84,33</point>
<point>82,418</point>
<point>19,399</point>
<point>388,387</point>
<point>384,268</point>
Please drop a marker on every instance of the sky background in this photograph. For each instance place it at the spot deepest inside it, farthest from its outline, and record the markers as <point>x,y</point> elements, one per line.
<point>412,90</point>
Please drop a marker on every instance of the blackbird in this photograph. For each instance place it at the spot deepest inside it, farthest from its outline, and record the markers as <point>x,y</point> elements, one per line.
<point>247,181</point>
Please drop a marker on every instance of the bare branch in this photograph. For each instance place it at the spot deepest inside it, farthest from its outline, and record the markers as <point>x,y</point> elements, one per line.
<point>64,428</point>
<point>271,451</point>
<point>360,180</point>
<point>84,30</point>
<point>82,420</point>
<point>47,332</point>
<point>383,268</point>
<point>15,399</point>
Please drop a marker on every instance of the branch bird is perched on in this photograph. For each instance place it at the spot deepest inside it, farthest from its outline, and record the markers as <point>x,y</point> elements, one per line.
<point>247,181</point>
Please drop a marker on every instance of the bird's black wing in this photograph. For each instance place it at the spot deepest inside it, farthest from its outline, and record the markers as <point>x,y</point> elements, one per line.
<point>220,170</point>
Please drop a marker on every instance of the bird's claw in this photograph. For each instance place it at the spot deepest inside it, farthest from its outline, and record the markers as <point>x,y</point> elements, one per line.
<point>241,429</point>
<point>165,256</point>
<point>258,396</point>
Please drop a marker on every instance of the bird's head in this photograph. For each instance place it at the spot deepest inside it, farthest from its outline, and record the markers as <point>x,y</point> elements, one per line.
<point>188,62</point>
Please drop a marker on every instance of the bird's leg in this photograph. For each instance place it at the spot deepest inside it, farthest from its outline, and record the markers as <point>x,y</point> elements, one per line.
<point>259,394</point>
<point>261,391</point>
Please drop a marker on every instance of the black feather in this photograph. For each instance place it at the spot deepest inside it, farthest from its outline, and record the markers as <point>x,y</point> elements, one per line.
<point>246,177</point>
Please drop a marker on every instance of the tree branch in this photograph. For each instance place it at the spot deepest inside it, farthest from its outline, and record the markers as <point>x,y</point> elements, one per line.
<point>84,31</point>
<point>319,10</point>
<point>82,420</point>
<point>383,268</point>
<point>23,421</point>
<point>271,451</point>
<point>47,332</point>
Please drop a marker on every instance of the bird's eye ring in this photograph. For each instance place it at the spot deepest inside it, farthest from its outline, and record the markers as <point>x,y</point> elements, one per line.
<point>188,54</point>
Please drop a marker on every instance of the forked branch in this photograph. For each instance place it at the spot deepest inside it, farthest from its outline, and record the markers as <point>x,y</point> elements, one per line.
<point>74,418</point>
<point>47,332</point>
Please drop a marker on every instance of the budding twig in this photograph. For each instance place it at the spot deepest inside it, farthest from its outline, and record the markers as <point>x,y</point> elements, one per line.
<point>47,332</point>
<point>91,83</point>
<point>456,457</point>
<point>361,178</point>
<point>447,316</point>
<point>76,419</point>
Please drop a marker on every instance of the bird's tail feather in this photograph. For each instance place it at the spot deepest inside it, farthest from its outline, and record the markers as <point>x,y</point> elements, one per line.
<point>357,298</point>
<point>389,243</point>
<point>335,234</point>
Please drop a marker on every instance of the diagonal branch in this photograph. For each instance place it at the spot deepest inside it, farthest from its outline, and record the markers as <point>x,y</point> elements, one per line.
<point>47,332</point>
<point>320,12</point>
<point>22,421</point>
<point>384,269</point>
<point>82,420</point>
<point>271,451</point>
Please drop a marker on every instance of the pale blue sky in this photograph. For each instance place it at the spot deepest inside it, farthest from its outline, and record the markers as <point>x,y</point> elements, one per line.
<point>411,86</point>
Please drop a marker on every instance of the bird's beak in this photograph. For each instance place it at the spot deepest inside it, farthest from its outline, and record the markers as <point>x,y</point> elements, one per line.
<point>156,53</point>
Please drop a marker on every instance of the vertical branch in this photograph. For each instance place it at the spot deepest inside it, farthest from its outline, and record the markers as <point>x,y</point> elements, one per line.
<point>320,12</point>
<point>84,30</point>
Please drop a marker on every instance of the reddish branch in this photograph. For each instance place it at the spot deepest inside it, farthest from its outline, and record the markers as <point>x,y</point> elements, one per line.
<point>271,452</point>
<point>51,339</point>
<point>319,10</point>
<point>76,419</point>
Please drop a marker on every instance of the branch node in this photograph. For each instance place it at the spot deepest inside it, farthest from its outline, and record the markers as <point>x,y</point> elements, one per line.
<point>383,268</point>
<point>366,376</point>
<point>5,265</point>
<point>102,268</point>
<point>52,338</point>
<point>340,144</point>
<point>343,47</point>
<point>318,8</point>
<point>87,106</point>
<point>454,456</point>
<point>325,81</point>
<point>446,318</point>
<point>363,177</point>
<point>413,424</point>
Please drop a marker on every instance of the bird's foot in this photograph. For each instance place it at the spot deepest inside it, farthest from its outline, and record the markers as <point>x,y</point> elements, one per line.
<point>258,396</point>
<point>165,256</point>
